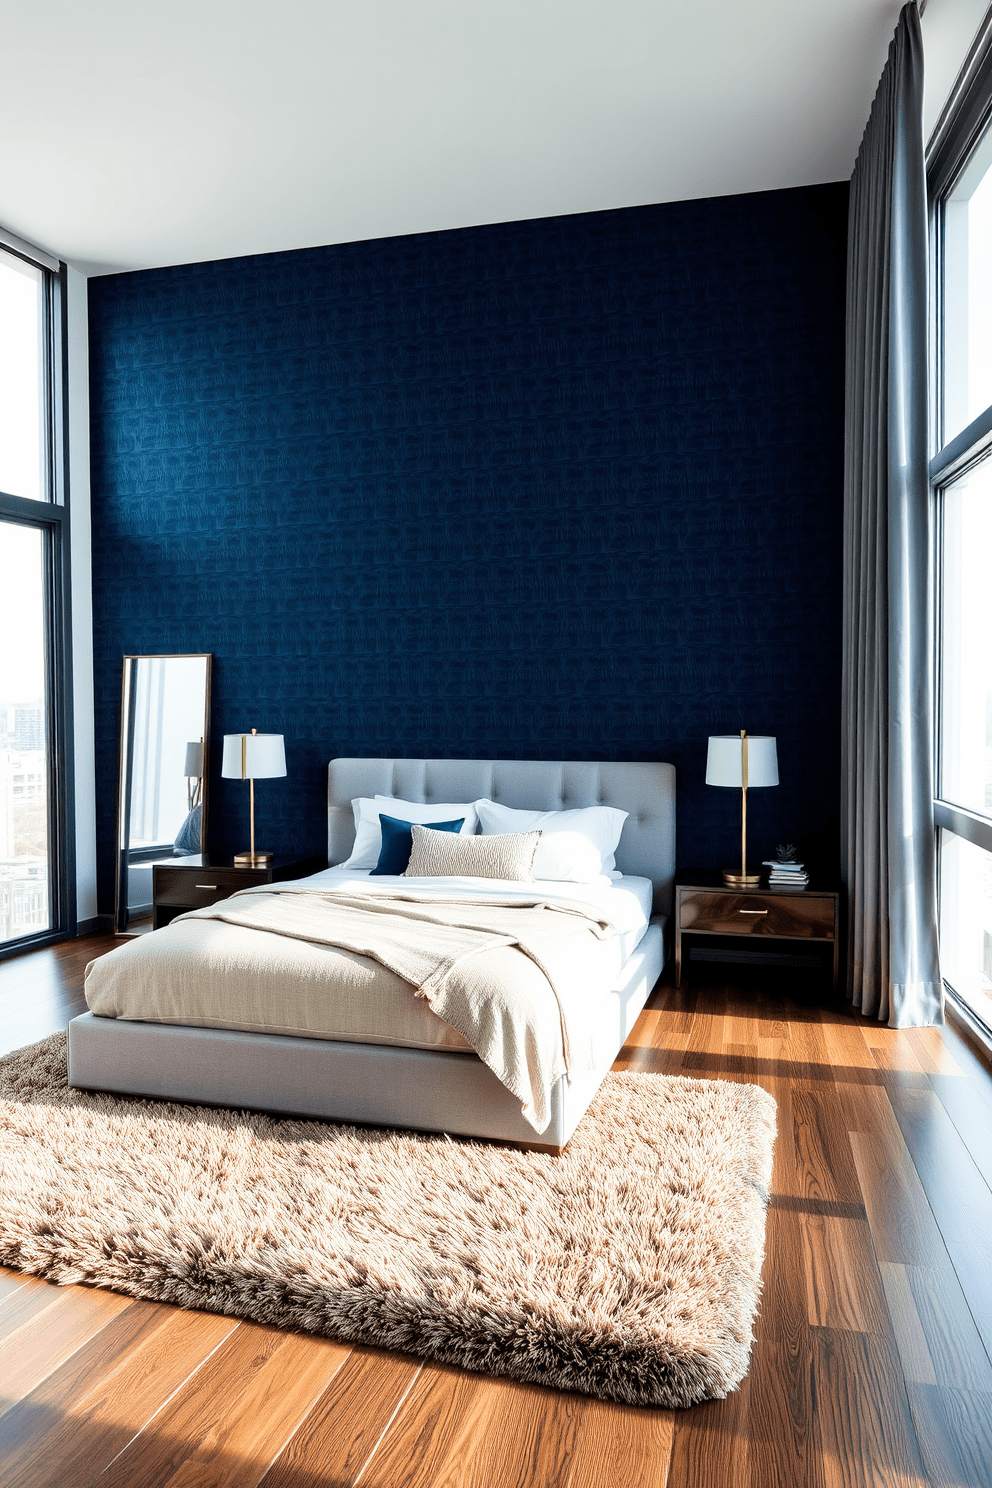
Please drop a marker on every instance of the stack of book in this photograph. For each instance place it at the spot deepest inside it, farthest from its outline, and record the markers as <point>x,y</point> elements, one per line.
<point>786,873</point>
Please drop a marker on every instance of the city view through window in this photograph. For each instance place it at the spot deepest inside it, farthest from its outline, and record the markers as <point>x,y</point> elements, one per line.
<point>24,906</point>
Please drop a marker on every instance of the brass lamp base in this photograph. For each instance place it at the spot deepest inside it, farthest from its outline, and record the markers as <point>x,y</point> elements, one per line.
<point>741,880</point>
<point>253,859</point>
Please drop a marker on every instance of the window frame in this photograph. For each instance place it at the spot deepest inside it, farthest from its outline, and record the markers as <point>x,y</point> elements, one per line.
<point>51,518</point>
<point>966,120</point>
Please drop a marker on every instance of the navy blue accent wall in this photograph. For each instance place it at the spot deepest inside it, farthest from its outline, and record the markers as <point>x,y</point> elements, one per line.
<point>568,488</point>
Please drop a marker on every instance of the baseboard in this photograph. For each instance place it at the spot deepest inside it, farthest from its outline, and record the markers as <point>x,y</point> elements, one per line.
<point>97,925</point>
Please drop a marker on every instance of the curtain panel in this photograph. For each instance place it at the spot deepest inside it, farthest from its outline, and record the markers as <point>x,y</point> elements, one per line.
<point>887,830</point>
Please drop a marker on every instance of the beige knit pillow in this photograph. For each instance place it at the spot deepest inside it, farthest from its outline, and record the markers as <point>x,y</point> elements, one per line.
<point>509,855</point>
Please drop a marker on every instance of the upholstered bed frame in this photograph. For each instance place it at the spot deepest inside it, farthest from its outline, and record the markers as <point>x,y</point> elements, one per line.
<point>433,1090</point>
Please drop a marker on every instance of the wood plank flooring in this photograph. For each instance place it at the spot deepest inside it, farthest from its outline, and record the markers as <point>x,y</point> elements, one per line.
<point>871,1363</point>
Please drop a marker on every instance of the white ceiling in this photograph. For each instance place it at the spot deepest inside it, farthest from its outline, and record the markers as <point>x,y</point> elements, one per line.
<point>140,135</point>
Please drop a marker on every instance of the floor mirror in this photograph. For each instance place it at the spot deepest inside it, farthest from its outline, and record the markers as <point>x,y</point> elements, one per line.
<point>164,760</point>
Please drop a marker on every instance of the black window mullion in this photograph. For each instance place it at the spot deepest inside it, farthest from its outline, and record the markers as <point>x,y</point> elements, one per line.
<point>61,733</point>
<point>963,450</point>
<point>60,774</point>
<point>974,826</point>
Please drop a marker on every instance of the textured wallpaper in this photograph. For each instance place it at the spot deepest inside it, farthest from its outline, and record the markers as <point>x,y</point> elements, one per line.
<point>568,488</point>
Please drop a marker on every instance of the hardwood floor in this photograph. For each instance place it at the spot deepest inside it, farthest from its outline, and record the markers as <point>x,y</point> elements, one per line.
<point>871,1362</point>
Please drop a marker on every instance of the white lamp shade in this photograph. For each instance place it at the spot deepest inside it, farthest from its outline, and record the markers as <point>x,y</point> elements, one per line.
<point>194,760</point>
<point>253,756</point>
<point>724,761</point>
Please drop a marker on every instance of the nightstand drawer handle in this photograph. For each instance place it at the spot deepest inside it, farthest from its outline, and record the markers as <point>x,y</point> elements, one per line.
<point>752,911</point>
<point>213,886</point>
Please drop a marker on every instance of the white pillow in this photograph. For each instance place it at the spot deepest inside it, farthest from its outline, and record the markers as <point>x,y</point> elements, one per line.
<point>368,834</point>
<point>576,846</point>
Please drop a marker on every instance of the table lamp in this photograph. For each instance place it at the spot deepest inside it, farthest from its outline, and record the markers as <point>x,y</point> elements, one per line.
<point>253,757</point>
<point>743,763</point>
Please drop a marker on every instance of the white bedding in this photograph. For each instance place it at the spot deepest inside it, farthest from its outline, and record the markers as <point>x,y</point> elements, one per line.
<point>339,995</point>
<point>214,969</point>
<point>625,902</point>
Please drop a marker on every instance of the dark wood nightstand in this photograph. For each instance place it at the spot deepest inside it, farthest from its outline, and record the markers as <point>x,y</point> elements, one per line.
<point>704,905</point>
<point>179,884</point>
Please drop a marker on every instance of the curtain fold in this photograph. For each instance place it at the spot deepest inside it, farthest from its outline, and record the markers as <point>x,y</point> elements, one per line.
<point>887,830</point>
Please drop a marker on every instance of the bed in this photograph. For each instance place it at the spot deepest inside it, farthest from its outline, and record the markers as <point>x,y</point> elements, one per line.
<point>437,1087</point>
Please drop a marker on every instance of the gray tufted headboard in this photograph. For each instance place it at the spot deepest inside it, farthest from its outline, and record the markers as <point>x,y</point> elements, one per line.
<point>646,791</point>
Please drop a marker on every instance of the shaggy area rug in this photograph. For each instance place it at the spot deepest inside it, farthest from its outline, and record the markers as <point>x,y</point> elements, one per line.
<point>629,1268</point>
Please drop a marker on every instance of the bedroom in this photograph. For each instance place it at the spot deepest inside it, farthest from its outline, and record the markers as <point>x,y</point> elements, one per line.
<point>610,565</point>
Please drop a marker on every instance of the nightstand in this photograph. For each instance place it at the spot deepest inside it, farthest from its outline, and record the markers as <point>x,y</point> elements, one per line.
<point>179,884</point>
<point>704,905</point>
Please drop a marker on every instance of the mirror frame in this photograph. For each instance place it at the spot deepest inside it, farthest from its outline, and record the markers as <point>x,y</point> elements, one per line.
<point>124,772</point>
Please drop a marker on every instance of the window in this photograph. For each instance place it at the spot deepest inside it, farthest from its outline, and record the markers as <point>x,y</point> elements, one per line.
<point>35,841</point>
<point>965,921</point>
<point>23,384</point>
<point>965,718</point>
<point>960,189</point>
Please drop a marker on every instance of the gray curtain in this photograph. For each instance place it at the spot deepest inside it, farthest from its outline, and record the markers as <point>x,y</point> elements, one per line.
<point>887,832</point>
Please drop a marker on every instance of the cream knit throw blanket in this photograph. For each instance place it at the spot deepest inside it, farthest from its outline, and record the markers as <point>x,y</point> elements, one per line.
<point>449,951</point>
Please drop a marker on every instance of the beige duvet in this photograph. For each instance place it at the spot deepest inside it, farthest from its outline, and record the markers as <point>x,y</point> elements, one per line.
<point>518,982</point>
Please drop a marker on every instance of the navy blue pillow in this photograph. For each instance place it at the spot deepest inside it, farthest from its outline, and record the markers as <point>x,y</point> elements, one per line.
<point>397,841</point>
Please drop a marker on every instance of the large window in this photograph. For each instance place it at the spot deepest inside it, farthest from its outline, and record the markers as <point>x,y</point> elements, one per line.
<point>23,390</point>
<point>960,181</point>
<point>963,805</point>
<point>35,843</point>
